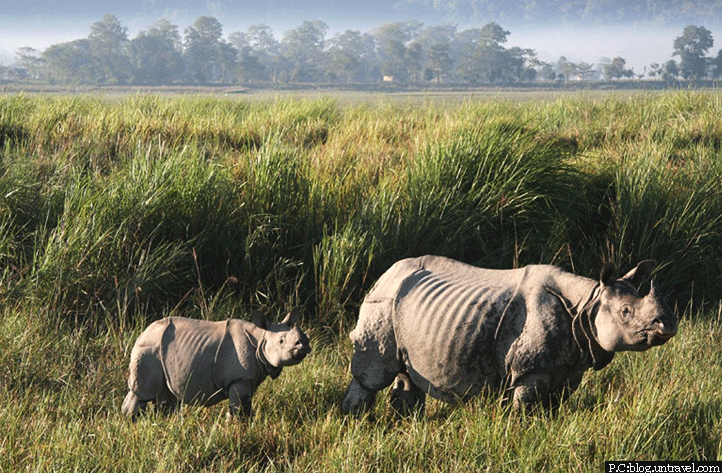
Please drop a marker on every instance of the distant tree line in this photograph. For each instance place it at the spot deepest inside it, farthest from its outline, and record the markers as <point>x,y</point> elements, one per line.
<point>402,52</point>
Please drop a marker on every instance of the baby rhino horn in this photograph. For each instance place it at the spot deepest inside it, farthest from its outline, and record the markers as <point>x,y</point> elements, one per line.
<point>292,317</point>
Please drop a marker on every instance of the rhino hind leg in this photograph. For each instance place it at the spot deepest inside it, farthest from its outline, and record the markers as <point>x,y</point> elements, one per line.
<point>146,382</point>
<point>406,398</point>
<point>375,362</point>
<point>166,402</point>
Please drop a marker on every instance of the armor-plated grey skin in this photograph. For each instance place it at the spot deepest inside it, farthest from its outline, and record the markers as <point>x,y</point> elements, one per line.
<point>436,326</point>
<point>202,362</point>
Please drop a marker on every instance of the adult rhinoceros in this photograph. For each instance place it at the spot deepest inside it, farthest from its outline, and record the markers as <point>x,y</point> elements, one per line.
<point>437,326</point>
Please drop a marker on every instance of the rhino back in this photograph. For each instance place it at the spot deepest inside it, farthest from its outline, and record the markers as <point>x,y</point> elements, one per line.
<point>188,352</point>
<point>446,319</point>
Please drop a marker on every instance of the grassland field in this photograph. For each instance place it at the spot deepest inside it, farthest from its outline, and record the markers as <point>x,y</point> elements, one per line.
<point>116,210</point>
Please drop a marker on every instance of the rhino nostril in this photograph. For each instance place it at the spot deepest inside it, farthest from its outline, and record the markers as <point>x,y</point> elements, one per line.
<point>669,328</point>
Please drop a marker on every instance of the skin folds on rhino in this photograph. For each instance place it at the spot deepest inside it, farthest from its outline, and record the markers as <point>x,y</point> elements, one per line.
<point>202,362</point>
<point>436,326</point>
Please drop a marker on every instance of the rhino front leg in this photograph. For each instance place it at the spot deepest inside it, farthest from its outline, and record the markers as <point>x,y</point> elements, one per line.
<point>407,398</point>
<point>358,400</point>
<point>132,406</point>
<point>240,394</point>
<point>531,390</point>
<point>561,393</point>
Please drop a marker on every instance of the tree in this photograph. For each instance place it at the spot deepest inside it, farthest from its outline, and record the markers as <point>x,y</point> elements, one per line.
<point>108,41</point>
<point>168,31</point>
<point>71,62</point>
<point>482,58</point>
<point>519,65</point>
<point>415,61</point>
<point>264,47</point>
<point>250,68</point>
<point>655,70</point>
<point>227,61</point>
<point>546,72</point>
<point>440,61</point>
<point>691,48</point>
<point>670,71</point>
<point>155,55</point>
<point>717,65</point>
<point>565,69</point>
<point>493,35</point>
<point>392,40</point>
<point>29,59</point>
<point>616,69</point>
<point>303,47</point>
<point>586,71</point>
<point>202,53</point>
<point>433,46</point>
<point>345,56</point>
<point>239,40</point>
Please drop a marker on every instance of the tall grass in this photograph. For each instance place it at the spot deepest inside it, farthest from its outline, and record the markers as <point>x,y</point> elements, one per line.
<point>137,203</point>
<point>61,392</point>
<point>114,212</point>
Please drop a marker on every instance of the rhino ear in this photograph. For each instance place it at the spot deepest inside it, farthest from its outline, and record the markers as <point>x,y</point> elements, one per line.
<point>607,274</point>
<point>641,273</point>
<point>259,319</point>
<point>292,317</point>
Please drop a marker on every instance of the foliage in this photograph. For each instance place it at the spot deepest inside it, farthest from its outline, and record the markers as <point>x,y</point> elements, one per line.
<point>304,46</point>
<point>155,55</point>
<point>401,52</point>
<point>406,51</point>
<point>616,69</point>
<point>691,48</point>
<point>116,212</point>
<point>139,204</point>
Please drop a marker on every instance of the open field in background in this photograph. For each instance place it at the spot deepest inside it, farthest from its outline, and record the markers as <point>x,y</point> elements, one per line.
<point>366,94</point>
<point>117,210</point>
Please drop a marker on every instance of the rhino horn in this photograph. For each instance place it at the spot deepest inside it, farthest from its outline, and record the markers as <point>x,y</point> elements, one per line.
<point>641,273</point>
<point>259,319</point>
<point>652,289</point>
<point>292,317</point>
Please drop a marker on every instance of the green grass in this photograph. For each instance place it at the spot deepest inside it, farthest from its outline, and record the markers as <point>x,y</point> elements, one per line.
<point>62,399</point>
<point>115,212</point>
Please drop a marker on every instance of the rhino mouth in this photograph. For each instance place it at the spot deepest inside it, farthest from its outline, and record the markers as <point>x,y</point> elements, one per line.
<point>299,354</point>
<point>655,338</point>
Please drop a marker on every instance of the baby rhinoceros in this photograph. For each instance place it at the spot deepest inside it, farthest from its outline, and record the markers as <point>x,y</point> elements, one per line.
<point>436,326</point>
<point>202,362</point>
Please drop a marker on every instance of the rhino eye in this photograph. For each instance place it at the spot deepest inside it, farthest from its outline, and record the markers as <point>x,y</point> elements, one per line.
<point>626,313</point>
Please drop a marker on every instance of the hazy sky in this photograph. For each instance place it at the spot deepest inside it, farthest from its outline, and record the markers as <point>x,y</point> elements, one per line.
<point>40,23</point>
